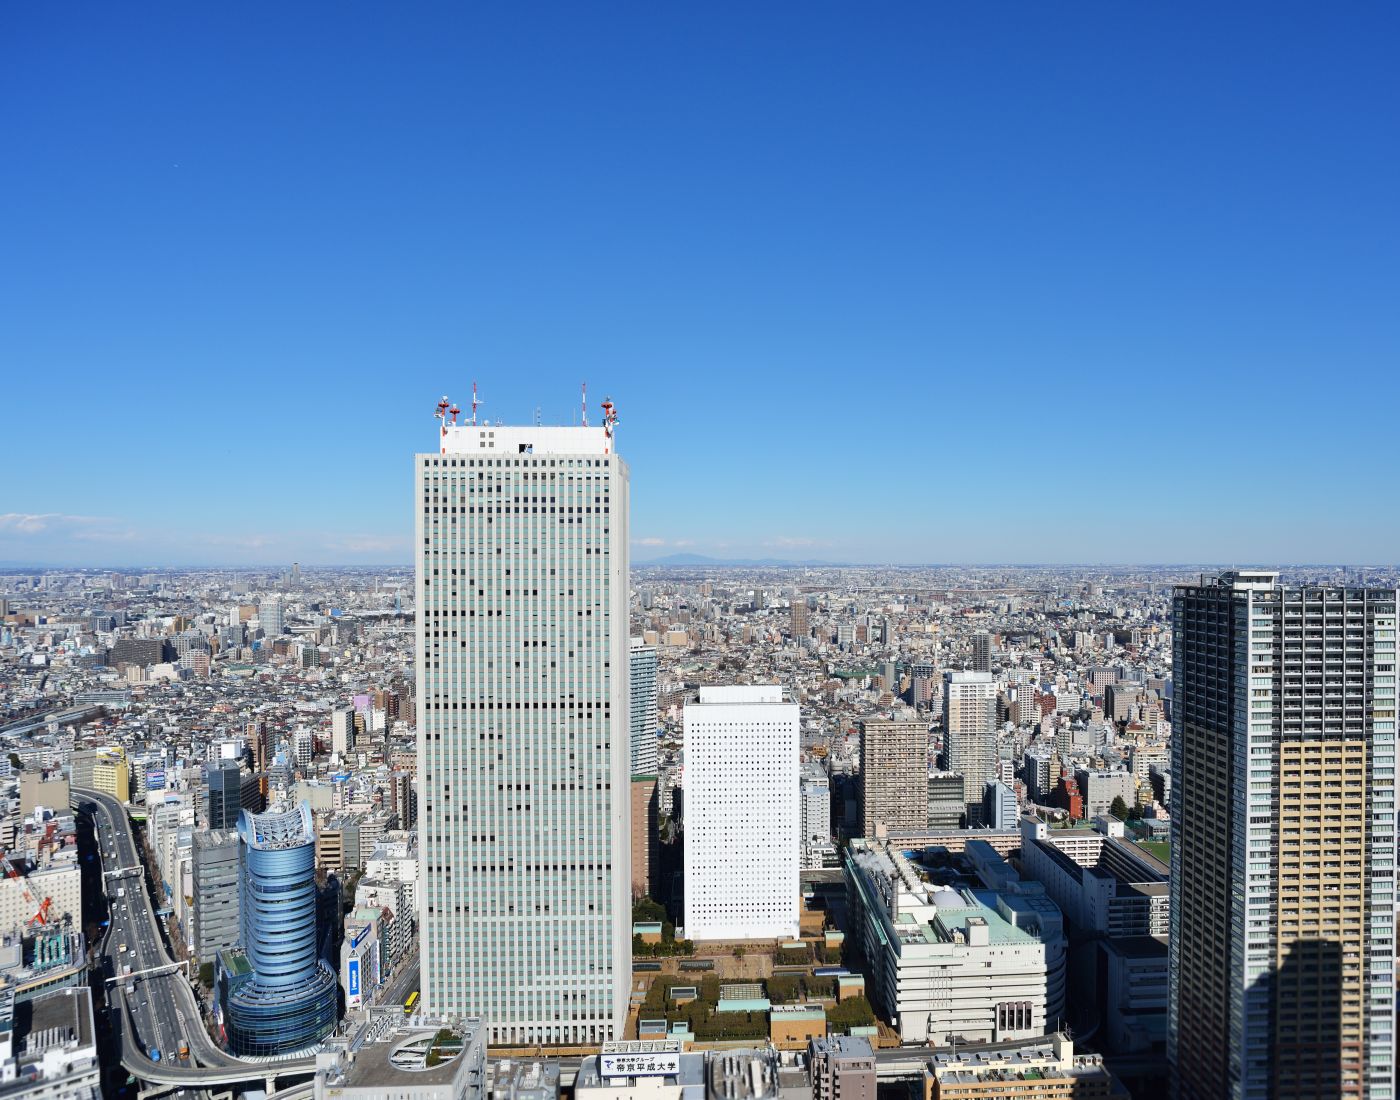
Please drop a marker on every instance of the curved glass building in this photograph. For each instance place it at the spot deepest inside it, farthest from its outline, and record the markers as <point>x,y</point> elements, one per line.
<point>285,999</point>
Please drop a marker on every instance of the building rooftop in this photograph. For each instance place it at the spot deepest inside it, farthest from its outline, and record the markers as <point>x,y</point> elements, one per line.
<point>408,1058</point>
<point>56,1019</point>
<point>924,912</point>
<point>497,440</point>
<point>290,828</point>
<point>510,1079</point>
<point>742,693</point>
<point>844,1046</point>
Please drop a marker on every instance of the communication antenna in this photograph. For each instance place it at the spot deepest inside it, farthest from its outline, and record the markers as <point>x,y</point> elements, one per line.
<point>609,422</point>
<point>441,414</point>
<point>475,402</point>
<point>584,404</point>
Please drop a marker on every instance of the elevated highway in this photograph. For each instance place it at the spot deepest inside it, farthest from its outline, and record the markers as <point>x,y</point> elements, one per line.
<point>161,1011</point>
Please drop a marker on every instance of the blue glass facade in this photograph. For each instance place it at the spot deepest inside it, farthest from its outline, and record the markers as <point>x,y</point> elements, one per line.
<point>286,998</point>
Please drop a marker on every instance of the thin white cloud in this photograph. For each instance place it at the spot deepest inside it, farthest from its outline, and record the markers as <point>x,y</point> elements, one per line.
<point>370,544</point>
<point>37,523</point>
<point>78,528</point>
<point>652,542</point>
<point>791,542</point>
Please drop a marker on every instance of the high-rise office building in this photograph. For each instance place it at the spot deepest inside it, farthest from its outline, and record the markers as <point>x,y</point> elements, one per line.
<point>797,613</point>
<point>229,790</point>
<point>216,870</point>
<point>893,774</point>
<point>817,849</point>
<point>982,653</point>
<point>271,612</point>
<point>282,997</point>
<point>742,846</point>
<point>303,747</point>
<point>969,734</point>
<point>1283,840</point>
<point>523,731</point>
<point>644,835</point>
<point>922,679</point>
<point>342,730</point>
<point>641,660</point>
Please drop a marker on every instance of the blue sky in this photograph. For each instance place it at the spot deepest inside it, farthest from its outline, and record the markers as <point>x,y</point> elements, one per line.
<point>922,282</point>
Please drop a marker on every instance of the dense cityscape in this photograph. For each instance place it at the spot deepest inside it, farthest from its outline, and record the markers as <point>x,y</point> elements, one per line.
<point>898,601</point>
<point>780,830</point>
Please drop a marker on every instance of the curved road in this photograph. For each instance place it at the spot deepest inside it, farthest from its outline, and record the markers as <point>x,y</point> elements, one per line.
<point>162,1011</point>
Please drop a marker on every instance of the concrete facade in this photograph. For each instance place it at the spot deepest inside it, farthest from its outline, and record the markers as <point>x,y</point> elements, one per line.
<point>521,543</point>
<point>742,848</point>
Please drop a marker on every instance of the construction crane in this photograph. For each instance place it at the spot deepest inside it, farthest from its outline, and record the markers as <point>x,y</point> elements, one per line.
<point>41,916</point>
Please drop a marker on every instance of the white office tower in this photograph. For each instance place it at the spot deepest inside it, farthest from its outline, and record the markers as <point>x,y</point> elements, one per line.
<point>271,612</point>
<point>817,849</point>
<point>969,734</point>
<point>642,668</point>
<point>342,730</point>
<point>742,844</point>
<point>523,769</point>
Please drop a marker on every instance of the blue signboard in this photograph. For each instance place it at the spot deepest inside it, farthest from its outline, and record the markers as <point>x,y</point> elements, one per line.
<point>354,977</point>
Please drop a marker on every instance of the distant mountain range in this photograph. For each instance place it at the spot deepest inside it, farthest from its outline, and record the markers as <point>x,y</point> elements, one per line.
<point>701,559</point>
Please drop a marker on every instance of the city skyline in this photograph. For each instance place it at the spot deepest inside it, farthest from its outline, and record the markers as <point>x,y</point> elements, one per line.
<point>1064,266</point>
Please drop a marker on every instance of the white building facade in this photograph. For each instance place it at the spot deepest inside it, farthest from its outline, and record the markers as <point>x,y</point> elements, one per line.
<point>969,734</point>
<point>953,965</point>
<point>523,732</point>
<point>641,660</point>
<point>817,849</point>
<point>742,809</point>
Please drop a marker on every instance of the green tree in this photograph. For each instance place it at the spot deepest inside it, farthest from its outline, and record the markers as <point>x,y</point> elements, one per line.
<point>645,909</point>
<point>1118,808</point>
<point>852,1012</point>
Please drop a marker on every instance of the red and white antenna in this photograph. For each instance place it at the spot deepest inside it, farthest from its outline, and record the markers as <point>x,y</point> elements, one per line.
<point>441,414</point>
<point>609,422</point>
<point>585,404</point>
<point>456,412</point>
<point>475,402</point>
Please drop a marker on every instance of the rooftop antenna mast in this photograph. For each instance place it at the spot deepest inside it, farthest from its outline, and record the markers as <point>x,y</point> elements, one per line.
<point>475,402</point>
<point>609,422</point>
<point>441,414</point>
<point>584,404</point>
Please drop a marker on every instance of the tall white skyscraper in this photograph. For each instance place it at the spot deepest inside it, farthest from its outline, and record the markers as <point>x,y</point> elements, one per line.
<point>642,668</point>
<point>742,811</point>
<point>969,734</point>
<point>816,815</point>
<point>523,716</point>
<point>342,730</point>
<point>271,611</point>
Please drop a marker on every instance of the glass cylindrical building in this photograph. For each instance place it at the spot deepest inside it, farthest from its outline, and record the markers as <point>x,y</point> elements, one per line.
<point>288,1001</point>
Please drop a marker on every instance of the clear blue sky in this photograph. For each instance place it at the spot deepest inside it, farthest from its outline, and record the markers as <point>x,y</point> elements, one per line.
<point>924,282</point>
